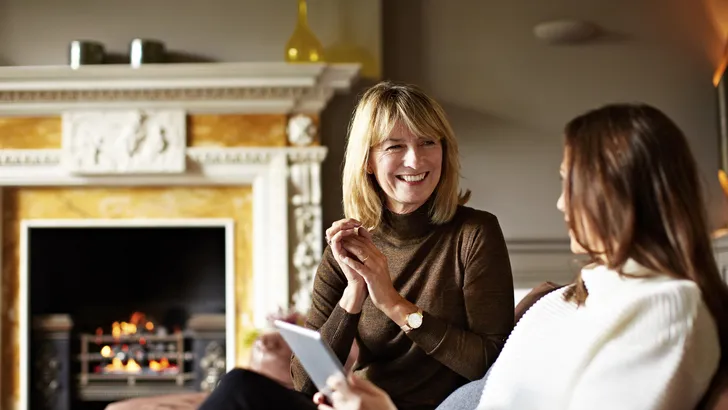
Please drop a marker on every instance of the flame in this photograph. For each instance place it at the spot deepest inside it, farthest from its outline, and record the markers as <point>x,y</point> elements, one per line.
<point>115,330</point>
<point>132,366</point>
<point>160,365</point>
<point>118,352</point>
<point>118,366</point>
<point>123,329</point>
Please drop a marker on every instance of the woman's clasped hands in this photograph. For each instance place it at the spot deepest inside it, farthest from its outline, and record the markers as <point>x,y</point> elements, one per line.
<point>364,266</point>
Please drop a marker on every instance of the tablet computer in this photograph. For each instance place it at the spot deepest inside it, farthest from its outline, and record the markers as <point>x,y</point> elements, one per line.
<point>314,354</point>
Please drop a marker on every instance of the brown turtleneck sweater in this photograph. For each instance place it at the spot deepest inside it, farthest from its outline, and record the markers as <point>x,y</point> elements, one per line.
<point>458,273</point>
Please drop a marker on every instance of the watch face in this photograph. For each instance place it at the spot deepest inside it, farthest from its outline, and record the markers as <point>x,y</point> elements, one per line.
<point>414,320</point>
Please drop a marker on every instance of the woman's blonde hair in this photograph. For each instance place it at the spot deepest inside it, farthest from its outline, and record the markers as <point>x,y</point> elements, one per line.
<point>380,108</point>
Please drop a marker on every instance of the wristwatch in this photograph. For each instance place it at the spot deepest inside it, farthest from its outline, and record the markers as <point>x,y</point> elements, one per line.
<point>413,321</point>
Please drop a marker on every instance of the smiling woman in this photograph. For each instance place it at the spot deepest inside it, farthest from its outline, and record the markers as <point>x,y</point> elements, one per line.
<point>419,282</point>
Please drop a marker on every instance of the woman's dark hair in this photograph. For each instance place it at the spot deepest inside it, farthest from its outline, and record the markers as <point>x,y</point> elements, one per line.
<point>632,187</point>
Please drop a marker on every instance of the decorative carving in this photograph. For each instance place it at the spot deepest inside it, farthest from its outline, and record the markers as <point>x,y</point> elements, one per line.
<point>306,202</point>
<point>306,155</point>
<point>213,365</point>
<point>301,130</point>
<point>230,156</point>
<point>29,157</point>
<point>161,94</point>
<point>47,374</point>
<point>305,255</point>
<point>200,155</point>
<point>132,141</point>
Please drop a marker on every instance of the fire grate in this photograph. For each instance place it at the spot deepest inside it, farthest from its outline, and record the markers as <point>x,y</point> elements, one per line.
<point>135,359</point>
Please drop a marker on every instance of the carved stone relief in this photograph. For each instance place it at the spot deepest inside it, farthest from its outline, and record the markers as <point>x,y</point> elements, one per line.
<point>47,368</point>
<point>301,130</point>
<point>213,365</point>
<point>306,209</point>
<point>124,141</point>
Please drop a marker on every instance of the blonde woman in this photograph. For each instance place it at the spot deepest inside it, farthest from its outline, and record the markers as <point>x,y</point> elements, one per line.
<point>422,283</point>
<point>645,325</point>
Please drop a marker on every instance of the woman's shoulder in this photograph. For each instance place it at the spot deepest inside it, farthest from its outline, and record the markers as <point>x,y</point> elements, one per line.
<point>680,295</point>
<point>475,219</point>
<point>663,303</point>
<point>476,226</point>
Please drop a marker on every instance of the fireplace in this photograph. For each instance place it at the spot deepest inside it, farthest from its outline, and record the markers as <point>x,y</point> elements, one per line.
<point>130,296</point>
<point>110,145</point>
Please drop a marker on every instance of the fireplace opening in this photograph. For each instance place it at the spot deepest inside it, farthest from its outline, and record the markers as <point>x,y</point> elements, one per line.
<point>117,312</point>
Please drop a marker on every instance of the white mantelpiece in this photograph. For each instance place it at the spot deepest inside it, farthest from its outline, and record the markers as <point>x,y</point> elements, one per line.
<point>196,88</point>
<point>126,127</point>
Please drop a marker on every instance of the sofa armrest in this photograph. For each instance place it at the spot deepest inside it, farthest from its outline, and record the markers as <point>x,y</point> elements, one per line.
<point>532,297</point>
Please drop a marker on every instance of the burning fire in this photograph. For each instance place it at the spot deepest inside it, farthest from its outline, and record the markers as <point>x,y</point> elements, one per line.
<point>125,357</point>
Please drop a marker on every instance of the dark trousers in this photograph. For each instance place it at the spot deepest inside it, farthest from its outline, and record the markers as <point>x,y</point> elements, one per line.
<point>242,389</point>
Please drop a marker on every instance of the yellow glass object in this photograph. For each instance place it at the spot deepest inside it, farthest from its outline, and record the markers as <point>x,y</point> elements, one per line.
<point>303,46</point>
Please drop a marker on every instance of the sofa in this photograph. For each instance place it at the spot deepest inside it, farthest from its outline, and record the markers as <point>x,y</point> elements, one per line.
<point>271,357</point>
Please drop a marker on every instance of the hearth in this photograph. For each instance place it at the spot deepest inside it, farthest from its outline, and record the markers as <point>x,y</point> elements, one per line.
<point>133,354</point>
<point>125,311</point>
<point>110,368</point>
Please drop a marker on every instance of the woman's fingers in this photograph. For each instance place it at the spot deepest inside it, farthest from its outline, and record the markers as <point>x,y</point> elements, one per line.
<point>364,232</point>
<point>336,242</point>
<point>337,382</point>
<point>357,247</point>
<point>344,233</point>
<point>357,383</point>
<point>358,267</point>
<point>319,398</point>
<point>341,225</point>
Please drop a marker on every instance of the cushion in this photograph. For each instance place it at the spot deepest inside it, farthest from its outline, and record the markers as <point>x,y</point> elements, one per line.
<point>180,401</point>
<point>532,297</point>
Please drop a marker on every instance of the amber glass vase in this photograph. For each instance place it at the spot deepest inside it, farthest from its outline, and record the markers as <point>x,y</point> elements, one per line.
<point>303,46</point>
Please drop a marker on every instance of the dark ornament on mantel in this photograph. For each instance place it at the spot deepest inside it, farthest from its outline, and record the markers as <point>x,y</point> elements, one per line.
<point>144,51</point>
<point>85,52</point>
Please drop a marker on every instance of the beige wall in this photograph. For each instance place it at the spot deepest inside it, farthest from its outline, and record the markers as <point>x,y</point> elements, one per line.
<point>509,95</point>
<point>37,32</point>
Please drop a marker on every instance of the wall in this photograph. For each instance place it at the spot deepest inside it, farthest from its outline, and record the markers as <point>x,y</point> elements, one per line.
<point>37,32</point>
<point>508,95</point>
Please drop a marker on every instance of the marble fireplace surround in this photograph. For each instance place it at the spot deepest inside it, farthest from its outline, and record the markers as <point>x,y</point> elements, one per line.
<point>127,132</point>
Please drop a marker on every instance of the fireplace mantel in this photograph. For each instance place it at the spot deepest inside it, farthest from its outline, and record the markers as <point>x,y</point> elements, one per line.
<point>197,88</point>
<point>118,127</point>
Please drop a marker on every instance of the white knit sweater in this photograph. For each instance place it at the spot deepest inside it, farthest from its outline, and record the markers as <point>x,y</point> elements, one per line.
<point>638,343</point>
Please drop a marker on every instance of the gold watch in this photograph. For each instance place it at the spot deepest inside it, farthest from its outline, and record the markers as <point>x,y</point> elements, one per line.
<point>413,321</point>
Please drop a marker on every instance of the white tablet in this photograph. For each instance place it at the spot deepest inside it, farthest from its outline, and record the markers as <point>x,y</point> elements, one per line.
<point>314,354</point>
